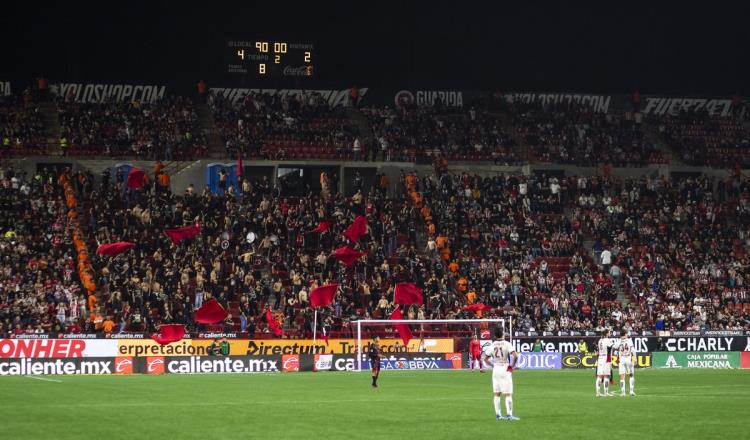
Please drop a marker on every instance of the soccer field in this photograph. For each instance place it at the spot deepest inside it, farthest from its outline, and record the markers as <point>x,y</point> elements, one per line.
<point>337,405</point>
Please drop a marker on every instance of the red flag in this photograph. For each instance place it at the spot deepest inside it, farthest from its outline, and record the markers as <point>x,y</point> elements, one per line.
<point>179,234</point>
<point>169,333</point>
<point>477,307</point>
<point>211,312</point>
<point>239,164</point>
<point>407,293</point>
<point>136,177</point>
<point>356,229</point>
<point>347,255</point>
<point>273,324</point>
<point>113,249</point>
<point>322,227</point>
<point>403,330</point>
<point>323,295</point>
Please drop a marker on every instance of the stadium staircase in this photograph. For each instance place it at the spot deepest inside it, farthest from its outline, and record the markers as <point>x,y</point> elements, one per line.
<point>51,126</point>
<point>208,126</point>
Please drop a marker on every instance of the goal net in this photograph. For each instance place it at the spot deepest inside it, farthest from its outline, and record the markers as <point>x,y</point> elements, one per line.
<point>427,341</point>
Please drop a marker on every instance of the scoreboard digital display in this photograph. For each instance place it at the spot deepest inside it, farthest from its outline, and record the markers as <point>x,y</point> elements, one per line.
<point>271,59</point>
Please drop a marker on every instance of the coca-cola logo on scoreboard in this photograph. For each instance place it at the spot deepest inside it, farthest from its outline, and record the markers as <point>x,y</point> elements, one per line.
<point>297,71</point>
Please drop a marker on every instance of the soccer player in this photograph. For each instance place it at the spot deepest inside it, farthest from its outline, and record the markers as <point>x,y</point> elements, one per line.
<point>374,354</point>
<point>475,350</point>
<point>626,367</point>
<point>604,363</point>
<point>502,380</point>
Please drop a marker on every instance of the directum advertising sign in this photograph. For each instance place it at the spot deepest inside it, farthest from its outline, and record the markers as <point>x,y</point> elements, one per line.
<point>697,360</point>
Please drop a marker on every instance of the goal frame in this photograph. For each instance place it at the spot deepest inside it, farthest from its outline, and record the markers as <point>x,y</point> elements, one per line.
<point>501,321</point>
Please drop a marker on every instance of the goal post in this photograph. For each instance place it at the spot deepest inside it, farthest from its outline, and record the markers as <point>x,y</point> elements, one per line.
<point>427,329</point>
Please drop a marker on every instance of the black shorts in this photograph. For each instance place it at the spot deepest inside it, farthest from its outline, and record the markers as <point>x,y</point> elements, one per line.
<point>375,365</point>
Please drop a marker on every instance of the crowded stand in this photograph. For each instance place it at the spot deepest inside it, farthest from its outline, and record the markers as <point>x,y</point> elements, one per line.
<point>704,140</point>
<point>273,126</point>
<point>411,133</point>
<point>167,129</point>
<point>576,134</point>
<point>515,244</point>
<point>21,127</point>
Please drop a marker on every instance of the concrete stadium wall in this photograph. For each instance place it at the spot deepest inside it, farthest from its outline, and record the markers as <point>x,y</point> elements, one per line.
<point>185,173</point>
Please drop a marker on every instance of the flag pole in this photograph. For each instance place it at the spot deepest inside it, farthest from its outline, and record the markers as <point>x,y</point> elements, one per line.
<point>315,327</point>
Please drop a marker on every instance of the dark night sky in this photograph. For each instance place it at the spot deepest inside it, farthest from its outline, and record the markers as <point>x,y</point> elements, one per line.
<point>611,47</point>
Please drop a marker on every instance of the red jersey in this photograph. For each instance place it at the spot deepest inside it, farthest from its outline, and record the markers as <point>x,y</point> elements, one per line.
<point>475,347</point>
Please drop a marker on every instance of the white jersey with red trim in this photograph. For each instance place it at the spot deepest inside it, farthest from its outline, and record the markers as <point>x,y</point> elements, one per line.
<point>604,347</point>
<point>626,349</point>
<point>501,351</point>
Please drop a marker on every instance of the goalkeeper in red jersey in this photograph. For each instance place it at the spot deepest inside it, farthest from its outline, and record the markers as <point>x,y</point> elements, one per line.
<point>475,353</point>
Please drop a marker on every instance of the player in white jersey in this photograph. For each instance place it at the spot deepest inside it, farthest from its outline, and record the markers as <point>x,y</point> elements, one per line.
<point>625,358</point>
<point>604,363</point>
<point>502,378</point>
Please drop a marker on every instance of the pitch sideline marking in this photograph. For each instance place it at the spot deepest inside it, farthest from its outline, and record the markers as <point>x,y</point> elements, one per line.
<point>44,379</point>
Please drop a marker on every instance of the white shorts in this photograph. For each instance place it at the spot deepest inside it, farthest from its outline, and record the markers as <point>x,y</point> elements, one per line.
<point>625,367</point>
<point>603,368</point>
<point>502,381</point>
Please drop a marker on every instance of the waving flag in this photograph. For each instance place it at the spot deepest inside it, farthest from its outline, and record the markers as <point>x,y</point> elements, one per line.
<point>403,330</point>
<point>273,324</point>
<point>347,255</point>
<point>356,229</point>
<point>184,233</point>
<point>323,295</point>
<point>322,227</point>
<point>407,293</point>
<point>136,177</point>
<point>477,307</point>
<point>211,312</point>
<point>113,249</point>
<point>169,333</point>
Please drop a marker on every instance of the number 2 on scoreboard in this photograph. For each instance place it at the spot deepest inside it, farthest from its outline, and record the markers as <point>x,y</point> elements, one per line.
<point>308,56</point>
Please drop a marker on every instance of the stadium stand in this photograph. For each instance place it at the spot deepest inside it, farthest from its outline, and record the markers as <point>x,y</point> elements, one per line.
<point>167,129</point>
<point>522,245</point>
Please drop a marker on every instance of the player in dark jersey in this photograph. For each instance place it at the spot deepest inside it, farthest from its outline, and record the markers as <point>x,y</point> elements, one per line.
<point>373,352</point>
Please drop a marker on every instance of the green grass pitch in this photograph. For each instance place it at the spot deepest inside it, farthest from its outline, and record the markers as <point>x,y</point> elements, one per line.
<point>686,404</point>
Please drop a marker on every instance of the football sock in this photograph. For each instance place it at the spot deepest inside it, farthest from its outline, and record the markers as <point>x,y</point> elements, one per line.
<point>496,401</point>
<point>509,405</point>
<point>606,386</point>
<point>632,384</point>
<point>598,381</point>
<point>374,380</point>
<point>622,385</point>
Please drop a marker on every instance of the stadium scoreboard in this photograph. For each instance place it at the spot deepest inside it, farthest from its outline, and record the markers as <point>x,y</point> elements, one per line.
<point>270,59</point>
